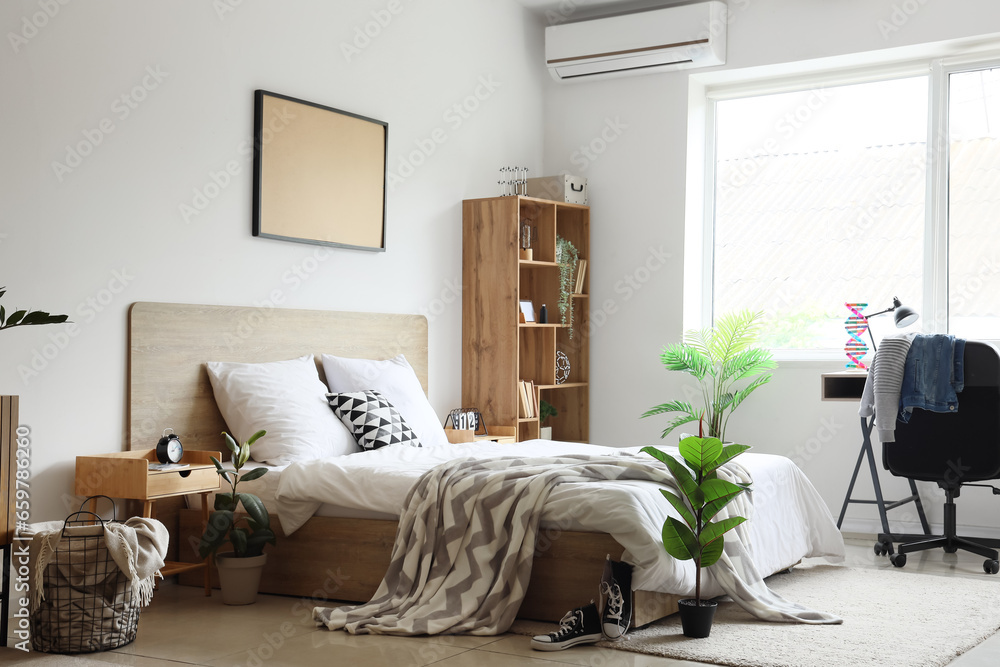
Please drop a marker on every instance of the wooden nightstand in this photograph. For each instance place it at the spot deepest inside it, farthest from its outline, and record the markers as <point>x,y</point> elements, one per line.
<point>127,475</point>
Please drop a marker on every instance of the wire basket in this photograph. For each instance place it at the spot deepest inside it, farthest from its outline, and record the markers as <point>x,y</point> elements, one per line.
<point>88,603</point>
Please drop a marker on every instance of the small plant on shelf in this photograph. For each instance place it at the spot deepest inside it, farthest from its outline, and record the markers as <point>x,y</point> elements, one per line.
<point>567,258</point>
<point>546,410</point>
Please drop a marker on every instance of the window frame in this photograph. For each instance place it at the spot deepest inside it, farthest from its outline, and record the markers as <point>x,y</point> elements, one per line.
<point>704,95</point>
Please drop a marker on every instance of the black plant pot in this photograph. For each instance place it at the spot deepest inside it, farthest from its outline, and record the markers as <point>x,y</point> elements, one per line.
<point>696,620</point>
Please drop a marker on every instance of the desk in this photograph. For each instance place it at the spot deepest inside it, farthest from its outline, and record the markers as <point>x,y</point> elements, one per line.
<point>848,386</point>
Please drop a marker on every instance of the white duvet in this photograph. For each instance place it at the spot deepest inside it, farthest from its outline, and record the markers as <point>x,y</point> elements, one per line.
<point>790,521</point>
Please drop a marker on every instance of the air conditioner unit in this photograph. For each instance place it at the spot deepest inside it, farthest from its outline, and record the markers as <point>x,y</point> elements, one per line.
<point>671,38</point>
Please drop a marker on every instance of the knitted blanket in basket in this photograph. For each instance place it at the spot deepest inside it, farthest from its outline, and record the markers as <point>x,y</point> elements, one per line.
<point>466,539</point>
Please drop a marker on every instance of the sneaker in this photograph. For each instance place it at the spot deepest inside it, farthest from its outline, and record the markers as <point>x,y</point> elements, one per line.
<point>580,626</point>
<point>616,587</point>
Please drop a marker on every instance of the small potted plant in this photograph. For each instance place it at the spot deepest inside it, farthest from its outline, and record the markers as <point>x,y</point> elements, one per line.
<point>718,357</point>
<point>696,536</point>
<point>546,410</point>
<point>239,569</point>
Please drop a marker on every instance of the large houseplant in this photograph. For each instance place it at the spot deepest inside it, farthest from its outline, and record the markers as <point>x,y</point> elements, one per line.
<point>719,357</point>
<point>240,569</point>
<point>702,495</point>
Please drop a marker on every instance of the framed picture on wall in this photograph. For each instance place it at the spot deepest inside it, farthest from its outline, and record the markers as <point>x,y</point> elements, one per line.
<point>319,174</point>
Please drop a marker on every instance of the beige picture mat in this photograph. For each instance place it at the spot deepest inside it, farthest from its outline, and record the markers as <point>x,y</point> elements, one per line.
<point>322,175</point>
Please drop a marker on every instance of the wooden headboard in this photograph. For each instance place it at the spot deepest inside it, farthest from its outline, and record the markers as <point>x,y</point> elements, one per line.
<point>168,385</point>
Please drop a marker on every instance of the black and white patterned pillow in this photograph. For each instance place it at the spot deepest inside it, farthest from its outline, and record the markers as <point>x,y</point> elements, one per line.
<point>372,420</point>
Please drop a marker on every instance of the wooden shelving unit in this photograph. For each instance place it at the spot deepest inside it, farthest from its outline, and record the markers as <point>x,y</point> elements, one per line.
<point>497,349</point>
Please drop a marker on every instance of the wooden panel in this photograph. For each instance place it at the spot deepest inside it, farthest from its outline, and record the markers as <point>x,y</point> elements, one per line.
<point>570,401</point>
<point>170,343</point>
<point>344,559</point>
<point>8,468</point>
<point>490,308</point>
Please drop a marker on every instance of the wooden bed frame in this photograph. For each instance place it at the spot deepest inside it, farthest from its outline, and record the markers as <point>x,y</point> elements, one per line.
<point>328,558</point>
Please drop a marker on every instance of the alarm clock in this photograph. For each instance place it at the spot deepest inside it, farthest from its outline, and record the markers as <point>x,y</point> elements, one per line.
<point>169,448</point>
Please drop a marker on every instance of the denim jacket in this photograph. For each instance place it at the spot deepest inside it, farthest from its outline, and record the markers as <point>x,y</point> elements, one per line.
<point>933,375</point>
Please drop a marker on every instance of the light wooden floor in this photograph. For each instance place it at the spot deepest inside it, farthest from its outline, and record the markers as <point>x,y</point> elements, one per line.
<point>182,627</point>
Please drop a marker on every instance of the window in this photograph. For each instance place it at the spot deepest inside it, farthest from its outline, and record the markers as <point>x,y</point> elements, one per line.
<point>826,194</point>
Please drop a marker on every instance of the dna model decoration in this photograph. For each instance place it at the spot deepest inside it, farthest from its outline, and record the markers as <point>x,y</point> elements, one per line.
<point>856,325</point>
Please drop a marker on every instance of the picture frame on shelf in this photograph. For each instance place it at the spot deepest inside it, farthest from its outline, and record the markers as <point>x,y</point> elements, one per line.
<point>527,311</point>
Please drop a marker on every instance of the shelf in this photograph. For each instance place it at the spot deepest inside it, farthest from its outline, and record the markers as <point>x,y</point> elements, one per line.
<point>536,263</point>
<point>564,385</point>
<point>538,325</point>
<point>580,296</point>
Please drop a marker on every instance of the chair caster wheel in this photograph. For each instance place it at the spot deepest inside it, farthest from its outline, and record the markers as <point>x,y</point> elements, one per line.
<point>878,549</point>
<point>950,549</point>
<point>882,548</point>
<point>898,560</point>
<point>991,566</point>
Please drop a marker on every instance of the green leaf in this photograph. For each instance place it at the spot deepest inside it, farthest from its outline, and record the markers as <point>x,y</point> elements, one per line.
<point>215,533</point>
<point>729,452</point>
<point>687,358</point>
<point>681,508</point>
<point>716,529</point>
<point>700,452</point>
<point>15,317</point>
<point>682,476</point>
<point>679,541</point>
<point>711,552</point>
<point>742,394</point>
<point>218,465</point>
<point>231,444</point>
<point>255,508</point>
<point>673,406</point>
<point>256,436</point>
<point>239,536</point>
<point>253,474</point>
<point>39,317</point>
<point>718,494</point>
<point>244,455</point>
<point>225,502</point>
<point>3,313</point>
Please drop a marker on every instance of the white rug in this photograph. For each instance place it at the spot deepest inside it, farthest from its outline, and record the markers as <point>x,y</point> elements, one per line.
<point>891,618</point>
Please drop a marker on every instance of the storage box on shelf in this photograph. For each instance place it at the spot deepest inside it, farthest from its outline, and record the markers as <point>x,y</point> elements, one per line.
<point>499,351</point>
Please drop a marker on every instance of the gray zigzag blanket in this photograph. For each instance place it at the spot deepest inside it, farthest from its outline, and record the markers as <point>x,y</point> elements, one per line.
<point>463,552</point>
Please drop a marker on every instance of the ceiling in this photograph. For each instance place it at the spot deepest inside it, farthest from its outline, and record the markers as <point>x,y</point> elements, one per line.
<point>573,10</point>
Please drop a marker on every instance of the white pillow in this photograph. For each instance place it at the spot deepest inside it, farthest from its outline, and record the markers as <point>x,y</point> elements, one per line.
<point>393,378</point>
<point>285,398</point>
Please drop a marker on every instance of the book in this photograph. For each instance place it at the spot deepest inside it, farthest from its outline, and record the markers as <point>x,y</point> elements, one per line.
<point>525,410</point>
<point>581,273</point>
<point>167,466</point>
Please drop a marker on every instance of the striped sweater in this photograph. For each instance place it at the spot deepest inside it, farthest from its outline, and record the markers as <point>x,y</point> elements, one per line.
<point>881,394</point>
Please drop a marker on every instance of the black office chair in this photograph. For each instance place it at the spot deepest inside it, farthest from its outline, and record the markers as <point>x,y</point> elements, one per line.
<point>952,449</point>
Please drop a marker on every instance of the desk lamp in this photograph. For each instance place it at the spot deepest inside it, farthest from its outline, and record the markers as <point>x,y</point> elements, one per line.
<point>904,317</point>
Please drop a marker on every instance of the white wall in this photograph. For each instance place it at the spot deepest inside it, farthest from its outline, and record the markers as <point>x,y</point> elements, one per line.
<point>111,230</point>
<point>639,126</point>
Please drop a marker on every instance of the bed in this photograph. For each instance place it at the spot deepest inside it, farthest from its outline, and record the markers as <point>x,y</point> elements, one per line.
<point>343,557</point>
